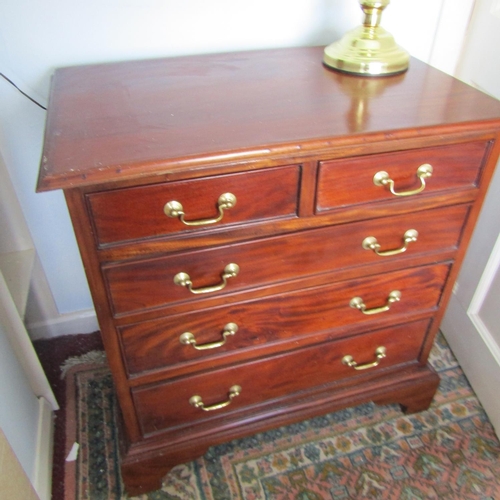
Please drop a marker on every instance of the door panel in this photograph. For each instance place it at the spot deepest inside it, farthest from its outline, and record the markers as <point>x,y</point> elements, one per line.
<point>472,321</point>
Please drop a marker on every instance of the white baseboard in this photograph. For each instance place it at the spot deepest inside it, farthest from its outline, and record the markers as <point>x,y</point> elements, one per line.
<point>42,480</point>
<point>64,324</point>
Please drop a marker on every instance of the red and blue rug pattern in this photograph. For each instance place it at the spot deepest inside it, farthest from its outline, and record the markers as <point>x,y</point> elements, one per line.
<point>367,452</point>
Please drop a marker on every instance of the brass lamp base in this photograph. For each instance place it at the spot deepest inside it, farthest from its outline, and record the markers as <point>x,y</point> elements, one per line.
<point>369,49</point>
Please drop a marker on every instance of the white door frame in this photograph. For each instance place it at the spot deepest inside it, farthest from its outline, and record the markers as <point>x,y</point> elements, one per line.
<point>451,34</point>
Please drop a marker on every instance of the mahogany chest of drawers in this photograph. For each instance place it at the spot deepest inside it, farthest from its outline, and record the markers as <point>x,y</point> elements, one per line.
<point>265,239</point>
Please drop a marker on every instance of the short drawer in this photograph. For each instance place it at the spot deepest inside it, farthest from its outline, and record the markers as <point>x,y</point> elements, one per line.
<point>348,182</point>
<point>150,283</point>
<point>141,212</point>
<point>231,390</point>
<point>274,320</point>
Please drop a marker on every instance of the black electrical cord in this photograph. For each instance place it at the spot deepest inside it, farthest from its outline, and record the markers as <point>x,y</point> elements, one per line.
<point>24,93</point>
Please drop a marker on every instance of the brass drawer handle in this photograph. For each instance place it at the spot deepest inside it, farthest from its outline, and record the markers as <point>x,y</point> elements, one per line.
<point>197,402</point>
<point>183,279</point>
<point>382,179</point>
<point>357,303</point>
<point>175,209</point>
<point>187,338</point>
<point>371,243</point>
<point>380,353</point>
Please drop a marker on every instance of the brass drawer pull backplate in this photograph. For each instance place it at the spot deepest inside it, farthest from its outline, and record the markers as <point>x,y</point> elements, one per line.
<point>187,338</point>
<point>371,243</point>
<point>357,303</point>
<point>197,402</point>
<point>230,271</point>
<point>380,353</point>
<point>175,209</point>
<point>382,179</point>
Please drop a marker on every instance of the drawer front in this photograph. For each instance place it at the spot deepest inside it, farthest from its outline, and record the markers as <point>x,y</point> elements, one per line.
<point>150,283</point>
<point>156,344</point>
<point>168,405</point>
<point>349,182</point>
<point>139,212</point>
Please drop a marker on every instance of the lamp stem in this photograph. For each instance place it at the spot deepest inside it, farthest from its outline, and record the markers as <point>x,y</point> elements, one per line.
<point>373,15</point>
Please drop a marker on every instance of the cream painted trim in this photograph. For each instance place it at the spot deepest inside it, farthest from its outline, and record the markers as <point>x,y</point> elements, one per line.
<point>479,296</point>
<point>450,34</point>
<point>42,480</point>
<point>475,358</point>
<point>14,482</point>
<point>64,324</point>
<point>495,8</point>
<point>16,268</point>
<point>15,235</point>
<point>23,347</point>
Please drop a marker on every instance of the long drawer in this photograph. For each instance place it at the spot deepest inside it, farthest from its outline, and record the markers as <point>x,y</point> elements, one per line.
<point>348,182</point>
<point>142,212</point>
<point>156,344</point>
<point>151,283</point>
<point>222,392</point>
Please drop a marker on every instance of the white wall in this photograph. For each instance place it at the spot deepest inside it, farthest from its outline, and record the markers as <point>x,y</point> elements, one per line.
<point>38,36</point>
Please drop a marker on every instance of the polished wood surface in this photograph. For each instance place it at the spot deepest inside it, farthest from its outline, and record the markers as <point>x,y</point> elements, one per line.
<point>167,405</point>
<point>146,284</point>
<point>298,145</point>
<point>145,465</point>
<point>263,195</point>
<point>155,345</point>
<point>348,182</point>
<point>132,119</point>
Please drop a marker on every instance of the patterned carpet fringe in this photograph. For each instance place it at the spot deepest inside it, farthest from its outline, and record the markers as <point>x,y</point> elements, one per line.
<point>366,452</point>
<point>91,357</point>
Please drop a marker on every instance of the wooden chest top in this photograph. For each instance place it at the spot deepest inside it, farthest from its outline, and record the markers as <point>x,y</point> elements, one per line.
<point>127,120</point>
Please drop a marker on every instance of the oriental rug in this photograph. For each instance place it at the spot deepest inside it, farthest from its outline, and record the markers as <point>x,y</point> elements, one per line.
<point>368,452</point>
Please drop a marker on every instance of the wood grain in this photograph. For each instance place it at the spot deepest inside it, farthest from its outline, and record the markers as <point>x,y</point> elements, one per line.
<point>167,404</point>
<point>146,463</point>
<point>285,134</point>
<point>154,345</point>
<point>130,119</point>
<point>138,213</point>
<point>350,181</point>
<point>146,284</point>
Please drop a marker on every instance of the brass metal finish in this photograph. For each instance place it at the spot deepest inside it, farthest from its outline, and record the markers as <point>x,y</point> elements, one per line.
<point>382,179</point>
<point>371,243</point>
<point>187,338</point>
<point>380,353</point>
<point>197,401</point>
<point>369,49</point>
<point>183,279</point>
<point>175,209</point>
<point>357,303</point>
